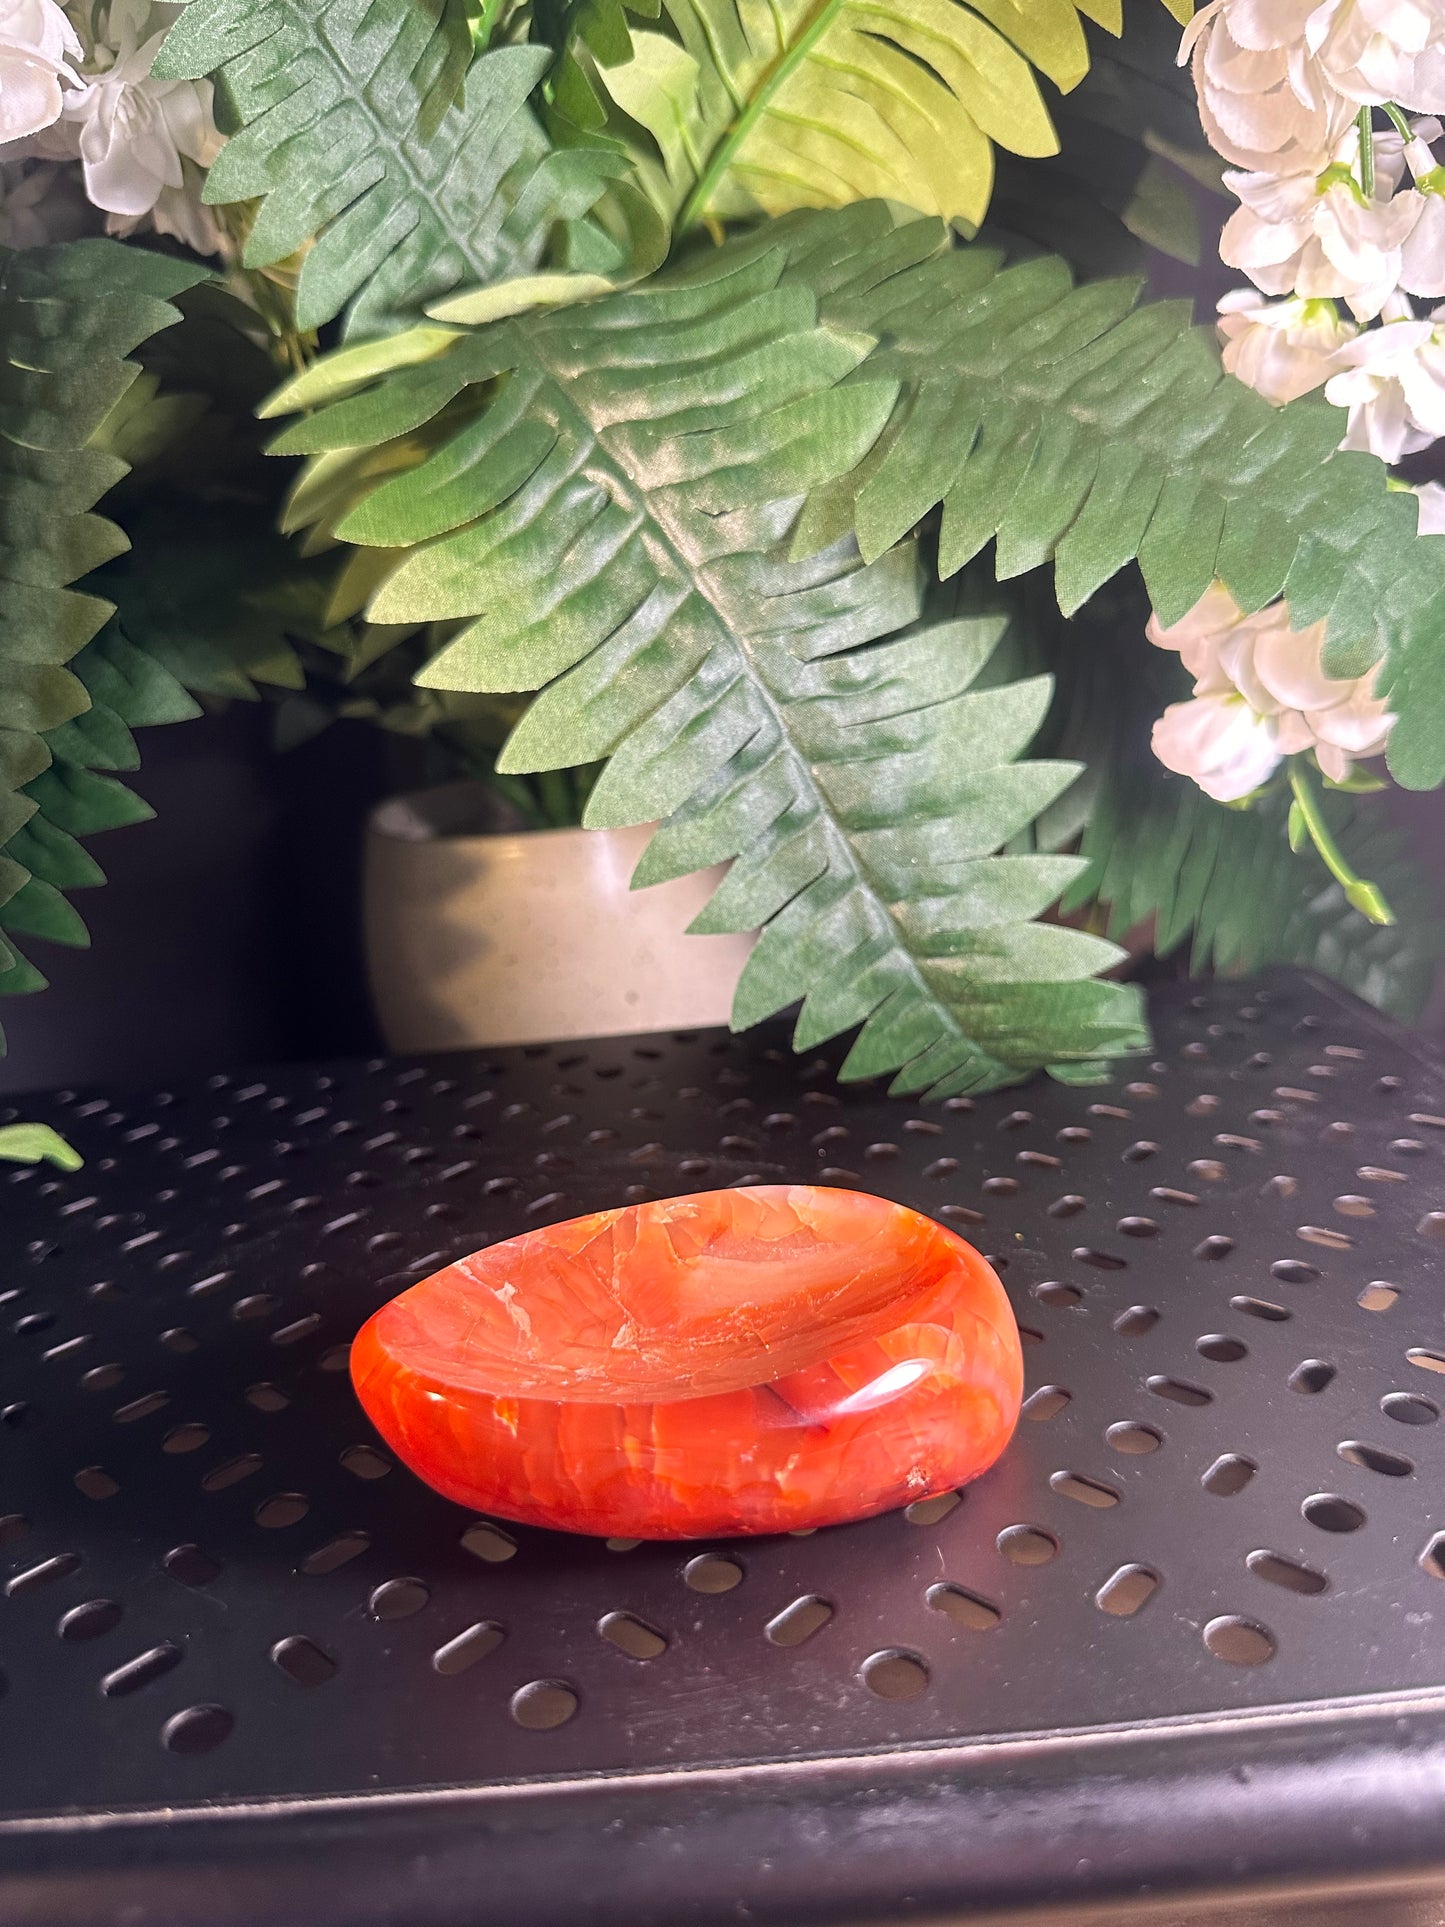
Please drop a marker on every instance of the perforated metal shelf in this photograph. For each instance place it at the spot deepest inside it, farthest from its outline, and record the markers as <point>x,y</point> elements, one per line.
<point>1225,1496</point>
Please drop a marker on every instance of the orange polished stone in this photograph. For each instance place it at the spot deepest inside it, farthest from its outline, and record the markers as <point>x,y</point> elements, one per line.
<point>755,1360</point>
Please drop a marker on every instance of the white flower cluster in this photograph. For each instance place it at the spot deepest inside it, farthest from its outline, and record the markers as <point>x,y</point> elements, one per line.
<point>1340,227</point>
<point>77,97</point>
<point>1343,219</point>
<point>1259,695</point>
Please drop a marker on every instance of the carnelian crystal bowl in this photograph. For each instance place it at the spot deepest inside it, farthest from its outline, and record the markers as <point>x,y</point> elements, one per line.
<point>756,1360</point>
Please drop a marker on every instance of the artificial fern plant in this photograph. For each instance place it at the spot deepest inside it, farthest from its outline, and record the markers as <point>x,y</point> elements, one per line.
<point>739,411</point>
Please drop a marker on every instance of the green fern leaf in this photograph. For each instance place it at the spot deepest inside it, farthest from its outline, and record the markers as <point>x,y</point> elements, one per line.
<point>453,37</point>
<point>347,132</point>
<point>585,32</point>
<point>73,798</point>
<point>751,109</point>
<point>211,593</point>
<point>69,318</point>
<point>1068,424</point>
<point>601,512</point>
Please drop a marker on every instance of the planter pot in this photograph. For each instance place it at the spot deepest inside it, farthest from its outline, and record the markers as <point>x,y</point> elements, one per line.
<point>478,935</point>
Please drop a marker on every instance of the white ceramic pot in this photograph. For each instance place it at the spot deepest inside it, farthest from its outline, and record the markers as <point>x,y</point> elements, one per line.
<point>517,938</point>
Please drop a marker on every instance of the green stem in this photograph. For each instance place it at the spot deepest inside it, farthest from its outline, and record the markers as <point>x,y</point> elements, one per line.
<point>484,25</point>
<point>1367,153</point>
<point>694,207</point>
<point>1364,896</point>
<point>1398,120</point>
<point>29,1143</point>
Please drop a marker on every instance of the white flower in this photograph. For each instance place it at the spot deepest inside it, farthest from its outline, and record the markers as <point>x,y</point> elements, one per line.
<point>1202,633</point>
<point>1281,349</point>
<point>1392,380</point>
<point>1417,149</point>
<point>1431,498</point>
<point>1264,101</point>
<point>1277,671</point>
<point>36,44</point>
<point>1220,742</point>
<point>135,131</point>
<point>179,211</point>
<point>1422,260</point>
<point>1376,50</point>
<point>1365,51</point>
<point>1260,694</point>
<point>1316,234</point>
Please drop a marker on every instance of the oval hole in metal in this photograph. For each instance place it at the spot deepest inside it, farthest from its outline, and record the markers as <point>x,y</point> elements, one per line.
<point>1137,1320</point>
<point>91,1620</point>
<point>928,1512</point>
<point>894,1674</point>
<point>1311,1375</point>
<point>1239,1641</point>
<point>141,1670</point>
<point>1046,1403</point>
<point>302,1661</point>
<point>1127,1591</point>
<point>463,1652</point>
<point>1089,1492</point>
<point>631,1635</point>
<point>197,1729</point>
<point>1374,1458</point>
<point>799,1621</point>
<point>964,1608</point>
<point>1331,1513</point>
<point>398,1599</point>
<point>190,1565</point>
<point>1229,1474</point>
<point>1377,1296</point>
<point>1027,1545</point>
<point>710,1573</point>
<point>489,1543</point>
<point>336,1552</point>
<point>1408,1408</point>
<point>1289,1574</point>
<point>543,1704</point>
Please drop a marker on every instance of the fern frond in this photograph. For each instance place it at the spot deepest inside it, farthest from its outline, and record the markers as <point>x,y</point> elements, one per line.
<point>585,33</point>
<point>77,795</point>
<point>330,99</point>
<point>213,594</point>
<point>69,318</point>
<point>602,512</point>
<point>753,109</point>
<point>1069,424</point>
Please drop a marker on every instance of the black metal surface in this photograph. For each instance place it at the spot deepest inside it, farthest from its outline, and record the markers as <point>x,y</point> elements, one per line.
<point>183,1467</point>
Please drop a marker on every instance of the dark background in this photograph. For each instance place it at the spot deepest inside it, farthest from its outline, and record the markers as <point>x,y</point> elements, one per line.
<point>228,930</point>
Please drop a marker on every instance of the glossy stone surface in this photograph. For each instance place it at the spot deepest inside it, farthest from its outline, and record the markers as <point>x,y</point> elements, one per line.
<point>744,1361</point>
